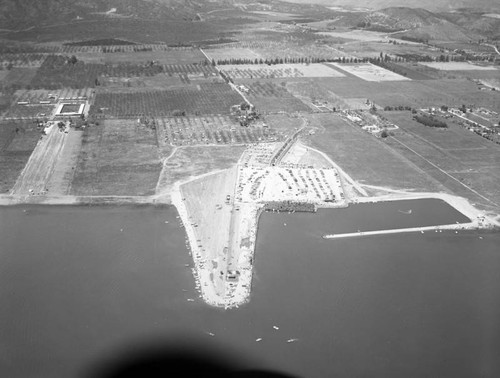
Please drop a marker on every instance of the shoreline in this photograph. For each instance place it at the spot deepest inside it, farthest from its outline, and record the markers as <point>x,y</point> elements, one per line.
<point>13,200</point>
<point>215,290</point>
<point>223,276</point>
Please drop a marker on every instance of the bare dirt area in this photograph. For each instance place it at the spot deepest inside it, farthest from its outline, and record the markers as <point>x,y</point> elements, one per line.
<point>285,124</point>
<point>370,72</point>
<point>205,201</point>
<point>189,162</point>
<point>117,157</point>
<point>17,142</point>
<point>65,167</point>
<point>365,158</point>
<point>459,66</point>
<point>356,35</point>
<point>36,174</point>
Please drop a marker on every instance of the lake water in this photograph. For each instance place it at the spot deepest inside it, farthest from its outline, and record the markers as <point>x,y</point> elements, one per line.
<point>82,287</point>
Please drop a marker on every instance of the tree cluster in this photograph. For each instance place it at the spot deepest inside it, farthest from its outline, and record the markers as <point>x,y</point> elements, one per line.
<point>399,107</point>
<point>429,121</point>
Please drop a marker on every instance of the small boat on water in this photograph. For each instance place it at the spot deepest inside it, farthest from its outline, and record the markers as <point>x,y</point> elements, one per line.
<point>405,211</point>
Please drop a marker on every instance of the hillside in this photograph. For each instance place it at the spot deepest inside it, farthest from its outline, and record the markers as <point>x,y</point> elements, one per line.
<point>418,23</point>
<point>431,5</point>
<point>21,14</point>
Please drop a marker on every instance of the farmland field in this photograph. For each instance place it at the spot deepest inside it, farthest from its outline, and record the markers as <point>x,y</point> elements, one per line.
<point>409,70</point>
<point>117,157</point>
<point>455,157</point>
<point>159,53</point>
<point>249,71</point>
<point>357,35</point>
<point>21,77</point>
<point>323,98</point>
<point>413,93</point>
<point>202,99</point>
<point>17,142</point>
<point>25,60</point>
<point>182,131</point>
<point>268,97</point>
<point>273,49</point>
<point>132,84</point>
<point>458,66</point>
<point>34,96</point>
<point>232,53</point>
<point>56,73</point>
<point>29,111</point>
<point>365,158</point>
<point>370,72</point>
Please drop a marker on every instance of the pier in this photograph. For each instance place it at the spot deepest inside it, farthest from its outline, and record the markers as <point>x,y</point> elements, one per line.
<point>457,226</point>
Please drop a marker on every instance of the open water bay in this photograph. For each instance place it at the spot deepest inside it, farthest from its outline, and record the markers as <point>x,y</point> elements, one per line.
<point>82,287</point>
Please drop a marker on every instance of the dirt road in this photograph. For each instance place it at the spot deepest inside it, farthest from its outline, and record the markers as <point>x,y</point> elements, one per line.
<point>36,174</point>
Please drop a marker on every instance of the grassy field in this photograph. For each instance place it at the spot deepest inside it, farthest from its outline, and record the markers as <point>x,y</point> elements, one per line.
<point>270,97</point>
<point>202,99</point>
<point>365,158</point>
<point>15,150</point>
<point>29,111</point>
<point>167,56</point>
<point>232,53</point>
<point>21,77</point>
<point>454,156</point>
<point>118,157</point>
<point>416,94</point>
<point>409,70</point>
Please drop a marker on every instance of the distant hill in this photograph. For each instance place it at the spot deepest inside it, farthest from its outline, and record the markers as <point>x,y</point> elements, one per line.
<point>431,5</point>
<point>421,24</point>
<point>18,14</point>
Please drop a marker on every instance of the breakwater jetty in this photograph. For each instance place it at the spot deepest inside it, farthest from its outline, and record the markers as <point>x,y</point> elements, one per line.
<point>458,226</point>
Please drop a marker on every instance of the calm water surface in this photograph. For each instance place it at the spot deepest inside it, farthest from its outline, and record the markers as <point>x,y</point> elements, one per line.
<point>81,285</point>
